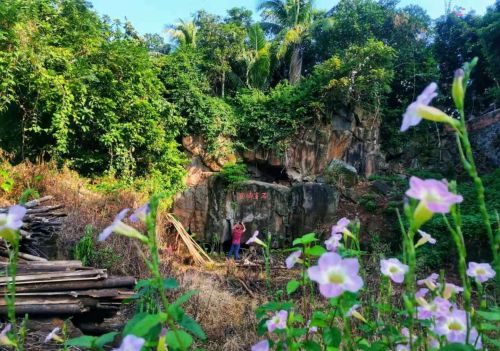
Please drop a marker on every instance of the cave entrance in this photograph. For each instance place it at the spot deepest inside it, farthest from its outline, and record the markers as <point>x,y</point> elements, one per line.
<point>270,173</point>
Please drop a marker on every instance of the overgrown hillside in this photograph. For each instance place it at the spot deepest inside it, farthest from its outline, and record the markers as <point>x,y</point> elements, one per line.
<point>96,96</point>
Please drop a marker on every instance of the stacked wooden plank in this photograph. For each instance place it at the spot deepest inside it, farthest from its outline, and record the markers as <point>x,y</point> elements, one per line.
<point>65,288</point>
<point>40,227</point>
<point>57,287</point>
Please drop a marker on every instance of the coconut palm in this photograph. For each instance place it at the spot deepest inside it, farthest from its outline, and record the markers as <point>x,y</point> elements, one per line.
<point>183,33</point>
<point>290,20</point>
<point>256,57</point>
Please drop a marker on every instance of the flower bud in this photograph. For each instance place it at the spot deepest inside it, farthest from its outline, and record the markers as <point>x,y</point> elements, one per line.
<point>421,215</point>
<point>434,114</point>
<point>457,89</point>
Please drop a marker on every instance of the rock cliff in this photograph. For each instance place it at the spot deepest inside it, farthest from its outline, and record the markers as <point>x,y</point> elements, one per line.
<point>292,193</point>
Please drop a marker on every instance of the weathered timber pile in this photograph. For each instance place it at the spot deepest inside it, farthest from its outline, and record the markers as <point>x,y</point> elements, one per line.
<point>57,288</point>
<point>40,227</point>
<point>65,288</point>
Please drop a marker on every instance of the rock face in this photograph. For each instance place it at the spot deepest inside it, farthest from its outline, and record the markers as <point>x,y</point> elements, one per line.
<point>352,137</point>
<point>485,137</point>
<point>321,159</point>
<point>210,208</point>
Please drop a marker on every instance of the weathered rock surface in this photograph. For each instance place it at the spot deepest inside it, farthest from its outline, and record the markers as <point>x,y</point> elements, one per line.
<point>196,146</point>
<point>485,137</point>
<point>210,208</point>
<point>352,137</point>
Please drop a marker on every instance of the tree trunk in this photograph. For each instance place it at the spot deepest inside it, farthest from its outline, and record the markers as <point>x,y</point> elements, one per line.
<point>295,71</point>
<point>223,85</point>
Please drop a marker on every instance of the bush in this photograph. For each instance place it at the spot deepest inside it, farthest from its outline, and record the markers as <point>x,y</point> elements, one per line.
<point>86,250</point>
<point>234,174</point>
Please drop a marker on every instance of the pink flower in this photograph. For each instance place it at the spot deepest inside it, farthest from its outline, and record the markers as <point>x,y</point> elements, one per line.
<point>480,271</point>
<point>4,339</point>
<point>312,329</point>
<point>454,327</point>
<point>333,242</point>
<point>255,239</point>
<point>340,226</point>
<point>425,238</point>
<point>352,312</point>
<point>336,275</point>
<point>421,292</point>
<point>53,335</point>
<point>293,259</point>
<point>411,117</point>
<point>394,269</point>
<point>433,194</point>
<point>140,214</point>
<point>278,321</point>
<point>430,281</point>
<point>450,289</point>
<point>438,308</point>
<point>121,228</point>
<point>11,221</point>
<point>131,343</point>
<point>262,345</point>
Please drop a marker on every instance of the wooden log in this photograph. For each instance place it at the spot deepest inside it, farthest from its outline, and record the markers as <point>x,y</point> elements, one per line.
<point>91,274</point>
<point>41,266</point>
<point>114,294</point>
<point>66,309</point>
<point>110,282</point>
<point>24,256</point>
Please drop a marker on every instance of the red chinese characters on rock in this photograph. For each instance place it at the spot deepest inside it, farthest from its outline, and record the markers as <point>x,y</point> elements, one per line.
<point>252,195</point>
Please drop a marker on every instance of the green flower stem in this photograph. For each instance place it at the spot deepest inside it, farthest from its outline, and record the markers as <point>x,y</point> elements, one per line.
<point>155,264</point>
<point>469,164</point>
<point>410,281</point>
<point>462,265</point>
<point>267,256</point>
<point>11,285</point>
<point>347,333</point>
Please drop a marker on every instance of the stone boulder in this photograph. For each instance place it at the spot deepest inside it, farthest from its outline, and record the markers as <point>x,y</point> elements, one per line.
<point>210,209</point>
<point>341,174</point>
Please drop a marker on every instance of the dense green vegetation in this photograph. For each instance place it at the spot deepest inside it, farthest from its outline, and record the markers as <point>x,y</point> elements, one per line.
<point>95,95</point>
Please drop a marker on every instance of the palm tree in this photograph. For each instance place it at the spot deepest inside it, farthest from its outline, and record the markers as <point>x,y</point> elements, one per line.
<point>183,33</point>
<point>256,57</point>
<point>290,20</point>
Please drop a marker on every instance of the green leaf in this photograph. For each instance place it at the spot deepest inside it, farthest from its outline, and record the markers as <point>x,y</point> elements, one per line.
<point>190,324</point>
<point>492,341</point>
<point>105,339</point>
<point>179,339</point>
<point>86,341</point>
<point>305,239</point>
<point>292,286</point>
<point>332,337</point>
<point>490,316</point>
<point>142,323</point>
<point>315,251</point>
<point>457,347</point>
<point>170,283</point>
<point>310,345</point>
<point>185,297</point>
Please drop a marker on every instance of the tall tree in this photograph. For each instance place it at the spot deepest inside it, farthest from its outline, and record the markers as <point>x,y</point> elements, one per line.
<point>290,20</point>
<point>183,33</point>
<point>256,57</point>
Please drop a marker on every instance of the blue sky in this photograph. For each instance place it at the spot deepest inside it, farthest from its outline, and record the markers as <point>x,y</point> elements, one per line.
<point>151,16</point>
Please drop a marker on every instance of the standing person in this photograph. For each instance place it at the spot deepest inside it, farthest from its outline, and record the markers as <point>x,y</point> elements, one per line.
<point>237,231</point>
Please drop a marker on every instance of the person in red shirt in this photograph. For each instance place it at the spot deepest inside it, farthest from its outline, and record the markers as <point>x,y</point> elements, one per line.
<point>237,232</point>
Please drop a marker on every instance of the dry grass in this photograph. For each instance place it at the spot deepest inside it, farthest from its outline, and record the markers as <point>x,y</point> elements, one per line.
<point>82,206</point>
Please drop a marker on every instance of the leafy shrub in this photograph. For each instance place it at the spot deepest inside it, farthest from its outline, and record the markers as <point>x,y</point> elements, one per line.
<point>234,174</point>
<point>86,250</point>
<point>369,202</point>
